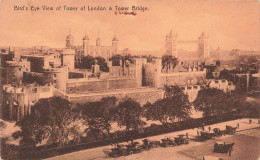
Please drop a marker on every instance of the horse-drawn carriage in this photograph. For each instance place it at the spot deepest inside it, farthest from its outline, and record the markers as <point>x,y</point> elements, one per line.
<point>222,147</point>
<point>118,150</point>
<point>205,136</point>
<point>133,147</point>
<point>230,130</point>
<point>168,141</point>
<point>124,150</point>
<point>147,144</point>
<point>219,132</point>
<point>181,139</point>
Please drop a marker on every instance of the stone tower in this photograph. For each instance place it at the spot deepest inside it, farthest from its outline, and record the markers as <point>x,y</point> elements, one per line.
<point>114,45</point>
<point>203,45</point>
<point>98,42</point>
<point>85,45</point>
<point>172,45</point>
<point>67,58</point>
<point>69,40</point>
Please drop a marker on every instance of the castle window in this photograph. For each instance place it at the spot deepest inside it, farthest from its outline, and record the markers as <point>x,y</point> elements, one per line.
<point>223,81</point>
<point>54,75</point>
<point>20,69</point>
<point>188,88</point>
<point>216,81</point>
<point>195,87</point>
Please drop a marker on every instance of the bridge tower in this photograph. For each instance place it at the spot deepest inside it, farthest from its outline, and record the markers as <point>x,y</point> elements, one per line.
<point>203,45</point>
<point>172,45</point>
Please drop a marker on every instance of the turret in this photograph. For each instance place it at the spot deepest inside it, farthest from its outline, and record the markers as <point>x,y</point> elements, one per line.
<point>98,41</point>
<point>114,44</point>
<point>203,46</point>
<point>69,41</point>
<point>85,45</point>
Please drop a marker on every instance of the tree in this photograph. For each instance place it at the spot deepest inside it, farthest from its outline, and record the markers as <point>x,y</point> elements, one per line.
<point>177,102</point>
<point>169,61</point>
<point>116,59</point>
<point>87,62</point>
<point>91,116</point>
<point>236,100</point>
<point>211,101</point>
<point>174,105</point>
<point>102,63</point>
<point>128,57</point>
<point>129,114</point>
<point>51,118</point>
<point>108,108</point>
<point>98,116</point>
<point>157,111</point>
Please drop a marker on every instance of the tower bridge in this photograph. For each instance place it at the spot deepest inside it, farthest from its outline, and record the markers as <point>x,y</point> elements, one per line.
<point>172,45</point>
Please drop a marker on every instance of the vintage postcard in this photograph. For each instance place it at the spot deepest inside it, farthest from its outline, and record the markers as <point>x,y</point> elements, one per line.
<point>130,79</point>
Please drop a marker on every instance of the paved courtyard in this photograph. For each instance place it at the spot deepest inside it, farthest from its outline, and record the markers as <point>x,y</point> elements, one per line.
<point>247,144</point>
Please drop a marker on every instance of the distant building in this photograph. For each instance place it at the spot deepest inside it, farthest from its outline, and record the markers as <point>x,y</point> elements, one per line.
<point>221,84</point>
<point>192,91</point>
<point>86,49</point>
<point>255,82</point>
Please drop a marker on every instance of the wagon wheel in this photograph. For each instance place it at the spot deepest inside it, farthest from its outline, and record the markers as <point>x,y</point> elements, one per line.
<point>116,155</point>
<point>124,152</point>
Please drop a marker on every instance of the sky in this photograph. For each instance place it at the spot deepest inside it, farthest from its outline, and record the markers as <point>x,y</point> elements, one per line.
<point>230,24</point>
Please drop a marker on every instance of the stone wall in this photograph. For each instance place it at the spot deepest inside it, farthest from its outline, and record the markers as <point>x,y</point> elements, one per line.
<point>182,78</point>
<point>140,95</point>
<point>85,86</point>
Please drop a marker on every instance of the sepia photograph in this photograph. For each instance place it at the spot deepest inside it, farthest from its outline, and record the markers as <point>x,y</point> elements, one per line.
<point>130,79</point>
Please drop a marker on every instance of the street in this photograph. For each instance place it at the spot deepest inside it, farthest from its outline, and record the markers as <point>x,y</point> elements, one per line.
<point>247,144</point>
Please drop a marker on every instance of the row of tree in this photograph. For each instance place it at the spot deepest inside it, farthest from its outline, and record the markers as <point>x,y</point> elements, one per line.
<point>62,122</point>
<point>86,63</point>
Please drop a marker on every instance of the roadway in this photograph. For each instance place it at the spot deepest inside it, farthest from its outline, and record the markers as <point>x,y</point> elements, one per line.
<point>247,144</point>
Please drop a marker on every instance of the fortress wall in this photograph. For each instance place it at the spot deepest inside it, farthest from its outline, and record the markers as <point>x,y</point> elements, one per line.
<point>182,78</point>
<point>140,96</point>
<point>87,86</point>
<point>122,83</point>
<point>147,96</point>
<point>100,85</point>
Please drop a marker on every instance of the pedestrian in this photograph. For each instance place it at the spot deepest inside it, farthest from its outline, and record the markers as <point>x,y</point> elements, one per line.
<point>187,135</point>
<point>229,151</point>
<point>250,121</point>
<point>209,128</point>
<point>237,125</point>
<point>203,128</point>
<point>198,133</point>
